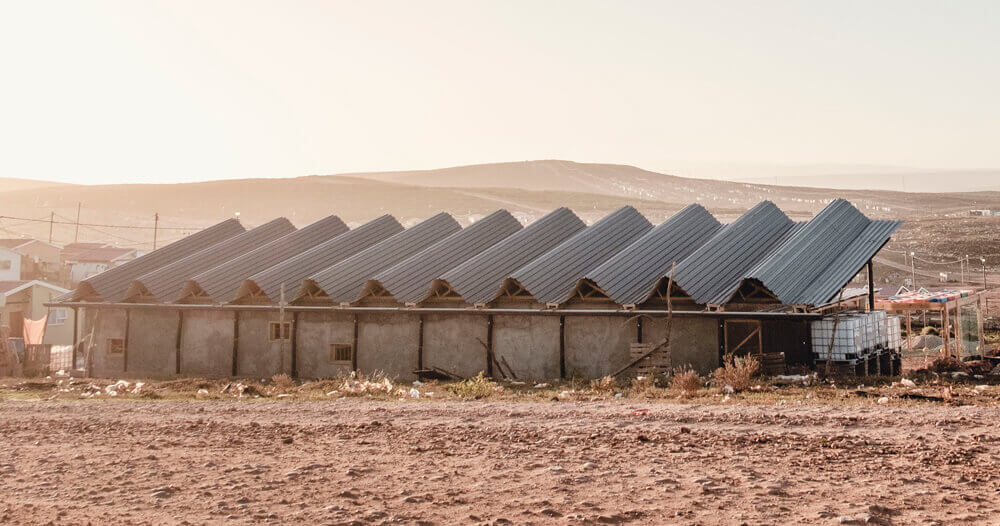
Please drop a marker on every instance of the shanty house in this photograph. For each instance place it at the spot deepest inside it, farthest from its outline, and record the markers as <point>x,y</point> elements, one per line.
<point>554,298</point>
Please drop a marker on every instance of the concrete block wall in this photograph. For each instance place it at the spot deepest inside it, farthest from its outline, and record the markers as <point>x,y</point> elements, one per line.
<point>207,343</point>
<point>693,341</point>
<point>152,343</point>
<point>529,344</point>
<point>596,346</point>
<point>388,342</point>
<point>257,355</point>
<point>455,343</point>
<point>106,323</point>
<point>317,331</point>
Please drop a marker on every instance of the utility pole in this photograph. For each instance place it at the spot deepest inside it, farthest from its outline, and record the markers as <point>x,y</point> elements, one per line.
<point>913,271</point>
<point>76,235</point>
<point>156,225</point>
<point>984,273</point>
<point>52,219</point>
<point>962,264</point>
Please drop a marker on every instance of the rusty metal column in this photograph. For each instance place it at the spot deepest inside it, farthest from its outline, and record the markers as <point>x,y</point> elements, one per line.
<point>871,287</point>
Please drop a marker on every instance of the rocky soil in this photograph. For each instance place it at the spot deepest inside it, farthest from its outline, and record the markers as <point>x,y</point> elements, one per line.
<point>361,461</point>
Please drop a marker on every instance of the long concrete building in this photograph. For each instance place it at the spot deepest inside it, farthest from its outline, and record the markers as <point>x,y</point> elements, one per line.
<point>552,299</point>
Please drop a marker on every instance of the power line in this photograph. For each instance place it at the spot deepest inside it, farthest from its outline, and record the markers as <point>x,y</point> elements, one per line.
<point>135,227</point>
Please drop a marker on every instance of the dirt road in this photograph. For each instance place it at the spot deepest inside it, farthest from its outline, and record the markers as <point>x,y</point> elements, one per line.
<point>423,462</point>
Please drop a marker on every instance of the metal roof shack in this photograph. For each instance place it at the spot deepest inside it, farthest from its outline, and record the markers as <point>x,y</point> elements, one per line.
<point>815,263</point>
<point>712,273</point>
<point>410,280</point>
<point>220,284</point>
<point>112,284</point>
<point>344,281</point>
<point>478,280</point>
<point>631,276</point>
<point>551,279</point>
<point>265,286</point>
<point>165,283</point>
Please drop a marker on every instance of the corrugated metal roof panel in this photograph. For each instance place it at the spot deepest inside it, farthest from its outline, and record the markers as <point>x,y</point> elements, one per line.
<point>343,282</point>
<point>478,279</point>
<point>294,270</point>
<point>113,283</point>
<point>823,255</point>
<point>629,276</point>
<point>410,280</point>
<point>713,272</point>
<point>165,283</point>
<point>551,277</point>
<point>222,282</point>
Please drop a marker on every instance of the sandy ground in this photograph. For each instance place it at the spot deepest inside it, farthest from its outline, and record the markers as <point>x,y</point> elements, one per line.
<point>358,461</point>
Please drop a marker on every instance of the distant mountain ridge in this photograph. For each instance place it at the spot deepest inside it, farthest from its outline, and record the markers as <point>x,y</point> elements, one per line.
<point>527,189</point>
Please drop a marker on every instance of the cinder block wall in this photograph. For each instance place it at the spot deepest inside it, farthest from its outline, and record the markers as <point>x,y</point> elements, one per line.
<point>207,343</point>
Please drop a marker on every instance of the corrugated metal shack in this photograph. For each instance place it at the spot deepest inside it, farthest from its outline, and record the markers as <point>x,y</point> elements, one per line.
<point>555,298</point>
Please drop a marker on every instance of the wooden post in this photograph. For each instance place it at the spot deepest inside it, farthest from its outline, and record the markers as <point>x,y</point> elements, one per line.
<point>236,341</point>
<point>177,343</point>
<point>76,338</point>
<point>979,325</point>
<point>125,353</point>
<point>944,326</point>
<point>871,287</point>
<point>354,353</point>
<point>295,344</point>
<point>562,346</point>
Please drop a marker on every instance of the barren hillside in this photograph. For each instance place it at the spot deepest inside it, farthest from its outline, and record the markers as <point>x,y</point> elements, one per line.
<point>527,189</point>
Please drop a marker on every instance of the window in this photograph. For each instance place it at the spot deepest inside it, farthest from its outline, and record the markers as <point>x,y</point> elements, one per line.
<point>116,346</point>
<point>280,330</point>
<point>341,352</point>
<point>5,264</point>
<point>58,316</point>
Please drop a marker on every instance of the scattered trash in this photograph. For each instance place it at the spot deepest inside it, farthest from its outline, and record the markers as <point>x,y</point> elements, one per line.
<point>906,382</point>
<point>543,386</point>
<point>883,400</point>
<point>417,383</point>
<point>283,395</point>
<point>414,393</point>
<point>728,389</point>
<point>202,393</point>
<point>640,412</point>
<point>618,395</point>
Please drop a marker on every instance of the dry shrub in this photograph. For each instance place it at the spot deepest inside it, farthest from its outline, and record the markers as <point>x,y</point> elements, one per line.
<point>736,372</point>
<point>606,384</point>
<point>361,384</point>
<point>648,386</point>
<point>929,331</point>
<point>477,387</point>
<point>685,380</point>
<point>948,364</point>
<point>283,383</point>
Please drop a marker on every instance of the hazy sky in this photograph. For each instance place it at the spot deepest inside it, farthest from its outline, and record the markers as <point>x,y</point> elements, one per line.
<point>140,91</point>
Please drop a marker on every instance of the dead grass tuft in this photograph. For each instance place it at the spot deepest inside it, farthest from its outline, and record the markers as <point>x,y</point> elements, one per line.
<point>686,380</point>
<point>736,372</point>
<point>477,387</point>
<point>283,383</point>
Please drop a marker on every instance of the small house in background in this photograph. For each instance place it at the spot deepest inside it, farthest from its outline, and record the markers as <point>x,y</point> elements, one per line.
<point>86,260</point>
<point>10,265</point>
<point>39,260</point>
<point>36,333</point>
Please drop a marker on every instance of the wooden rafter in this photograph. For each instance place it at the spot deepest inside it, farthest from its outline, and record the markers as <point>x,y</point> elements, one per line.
<point>586,290</point>
<point>752,291</point>
<point>513,289</point>
<point>442,290</point>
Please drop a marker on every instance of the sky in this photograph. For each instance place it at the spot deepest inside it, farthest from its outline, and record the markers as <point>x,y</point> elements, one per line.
<point>102,92</point>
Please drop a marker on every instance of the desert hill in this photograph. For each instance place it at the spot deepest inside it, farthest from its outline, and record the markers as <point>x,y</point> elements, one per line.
<point>528,189</point>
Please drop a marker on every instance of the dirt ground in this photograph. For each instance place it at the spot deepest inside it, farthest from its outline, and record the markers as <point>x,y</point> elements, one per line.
<point>368,461</point>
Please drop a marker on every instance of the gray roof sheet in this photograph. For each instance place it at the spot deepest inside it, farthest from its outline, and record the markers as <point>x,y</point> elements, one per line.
<point>630,276</point>
<point>822,256</point>
<point>479,279</point>
<point>222,282</point>
<point>713,272</point>
<point>410,280</point>
<point>294,270</point>
<point>552,277</point>
<point>344,281</point>
<point>113,283</point>
<point>165,283</point>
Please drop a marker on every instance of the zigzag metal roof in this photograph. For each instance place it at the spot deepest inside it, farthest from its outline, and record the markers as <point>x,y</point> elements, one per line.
<point>222,282</point>
<point>713,272</point>
<point>812,266</point>
<point>630,276</point>
<point>112,284</point>
<point>343,282</point>
<point>551,277</point>
<point>479,279</point>
<point>165,283</point>
<point>410,280</point>
<point>294,270</point>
